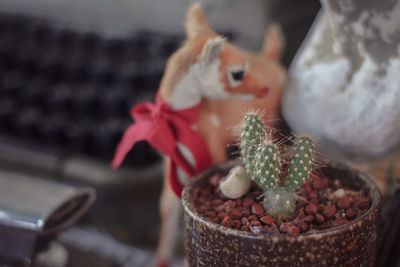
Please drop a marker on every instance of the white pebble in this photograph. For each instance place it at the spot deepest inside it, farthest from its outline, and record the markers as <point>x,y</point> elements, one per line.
<point>236,183</point>
<point>339,193</point>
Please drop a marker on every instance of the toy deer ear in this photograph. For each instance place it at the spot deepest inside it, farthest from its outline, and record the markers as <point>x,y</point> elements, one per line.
<point>196,22</point>
<point>273,43</point>
<point>212,49</point>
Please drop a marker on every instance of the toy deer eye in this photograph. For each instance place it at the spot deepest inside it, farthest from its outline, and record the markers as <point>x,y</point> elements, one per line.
<point>236,74</point>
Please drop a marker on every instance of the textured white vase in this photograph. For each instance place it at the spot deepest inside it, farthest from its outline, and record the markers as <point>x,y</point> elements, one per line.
<point>345,80</point>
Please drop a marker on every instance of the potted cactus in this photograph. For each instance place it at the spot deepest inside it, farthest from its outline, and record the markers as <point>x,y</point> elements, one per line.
<point>275,208</point>
<point>263,164</point>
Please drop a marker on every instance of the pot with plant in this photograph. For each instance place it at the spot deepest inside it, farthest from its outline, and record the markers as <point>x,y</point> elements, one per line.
<point>279,207</point>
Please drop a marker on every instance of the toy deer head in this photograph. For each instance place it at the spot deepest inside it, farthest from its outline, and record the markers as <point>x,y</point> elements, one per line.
<point>208,66</point>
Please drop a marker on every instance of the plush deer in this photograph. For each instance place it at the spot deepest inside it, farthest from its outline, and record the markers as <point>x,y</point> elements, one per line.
<point>206,88</point>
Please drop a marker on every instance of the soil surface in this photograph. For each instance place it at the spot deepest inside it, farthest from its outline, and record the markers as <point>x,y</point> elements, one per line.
<point>322,203</point>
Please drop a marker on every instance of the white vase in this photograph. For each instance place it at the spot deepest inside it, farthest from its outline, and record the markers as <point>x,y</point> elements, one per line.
<point>344,84</point>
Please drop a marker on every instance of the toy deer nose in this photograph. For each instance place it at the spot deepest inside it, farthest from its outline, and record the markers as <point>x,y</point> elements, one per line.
<point>263,92</point>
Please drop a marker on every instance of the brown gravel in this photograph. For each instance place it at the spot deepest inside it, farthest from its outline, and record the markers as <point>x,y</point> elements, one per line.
<point>245,228</point>
<point>319,218</point>
<point>246,212</point>
<point>289,228</point>
<point>247,202</point>
<point>257,209</point>
<point>317,208</point>
<point>302,226</point>
<point>226,221</point>
<point>362,203</point>
<point>308,219</point>
<point>351,213</point>
<point>235,214</point>
<point>267,220</point>
<point>235,224</point>
<point>329,211</point>
<point>311,208</point>
<point>343,203</point>
<point>340,221</point>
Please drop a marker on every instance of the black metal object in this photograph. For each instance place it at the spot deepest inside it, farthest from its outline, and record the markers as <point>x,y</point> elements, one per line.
<point>33,208</point>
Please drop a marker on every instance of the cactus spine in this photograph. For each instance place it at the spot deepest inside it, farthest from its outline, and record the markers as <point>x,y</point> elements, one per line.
<point>262,160</point>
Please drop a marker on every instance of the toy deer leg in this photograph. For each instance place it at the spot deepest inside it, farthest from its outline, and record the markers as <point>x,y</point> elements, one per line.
<point>218,151</point>
<point>170,211</point>
<point>215,142</point>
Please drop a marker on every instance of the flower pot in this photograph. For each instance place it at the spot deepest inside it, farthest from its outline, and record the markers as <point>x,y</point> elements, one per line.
<point>351,244</point>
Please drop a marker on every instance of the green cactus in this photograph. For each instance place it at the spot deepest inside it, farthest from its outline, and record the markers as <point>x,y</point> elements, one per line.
<point>252,135</point>
<point>301,163</point>
<point>279,201</point>
<point>263,163</point>
<point>267,165</point>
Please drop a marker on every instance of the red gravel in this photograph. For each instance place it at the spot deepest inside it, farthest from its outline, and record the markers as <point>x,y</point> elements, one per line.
<point>247,202</point>
<point>317,208</point>
<point>351,213</point>
<point>236,224</point>
<point>255,223</point>
<point>222,215</point>
<point>252,217</point>
<point>308,219</point>
<point>257,209</point>
<point>343,203</point>
<point>311,208</point>
<point>340,221</point>
<point>226,221</point>
<point>362,203</point>
<point>329,212</point>
<point>216,202</point>
<point>319,218</point>
<point>302,226</point>
<point>245,228</point>
<point>267,220</point>
<point>246,212</point>
<point>289,228</point>
<point>235,214</point>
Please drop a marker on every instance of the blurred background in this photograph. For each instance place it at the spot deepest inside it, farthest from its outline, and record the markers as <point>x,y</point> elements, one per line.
<point>69,72</point>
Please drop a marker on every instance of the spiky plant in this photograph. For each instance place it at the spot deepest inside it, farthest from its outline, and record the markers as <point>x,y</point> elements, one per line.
<point>262,160</point>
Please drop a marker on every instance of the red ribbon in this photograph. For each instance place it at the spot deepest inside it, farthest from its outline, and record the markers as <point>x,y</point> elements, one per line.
<point>163,127</point>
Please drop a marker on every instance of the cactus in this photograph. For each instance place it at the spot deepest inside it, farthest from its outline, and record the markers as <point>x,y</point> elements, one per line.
<point>262,160</point>
<point>279,201</point>
<point>252,135</point>
<point>267,165</point>
<point>301,163</point>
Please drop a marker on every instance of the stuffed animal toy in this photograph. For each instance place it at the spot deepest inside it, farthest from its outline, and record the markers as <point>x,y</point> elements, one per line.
<point>207,86</point>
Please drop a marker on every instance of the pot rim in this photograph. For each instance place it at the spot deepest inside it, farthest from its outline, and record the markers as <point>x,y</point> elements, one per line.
<point>375,195</point>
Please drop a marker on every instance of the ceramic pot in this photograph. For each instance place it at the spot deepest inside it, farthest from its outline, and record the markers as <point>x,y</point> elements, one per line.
<point>352,244</point>
<point>344,84</point>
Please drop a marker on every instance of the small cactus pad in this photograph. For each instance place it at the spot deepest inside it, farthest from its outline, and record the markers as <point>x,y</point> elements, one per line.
<point>267,165</point>
<point>301,163</point>
<point>279,202</point>
<point>251,136</point>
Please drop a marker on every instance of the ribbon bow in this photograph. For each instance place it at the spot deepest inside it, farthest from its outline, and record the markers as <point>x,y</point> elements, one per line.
<point>163,127</point>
